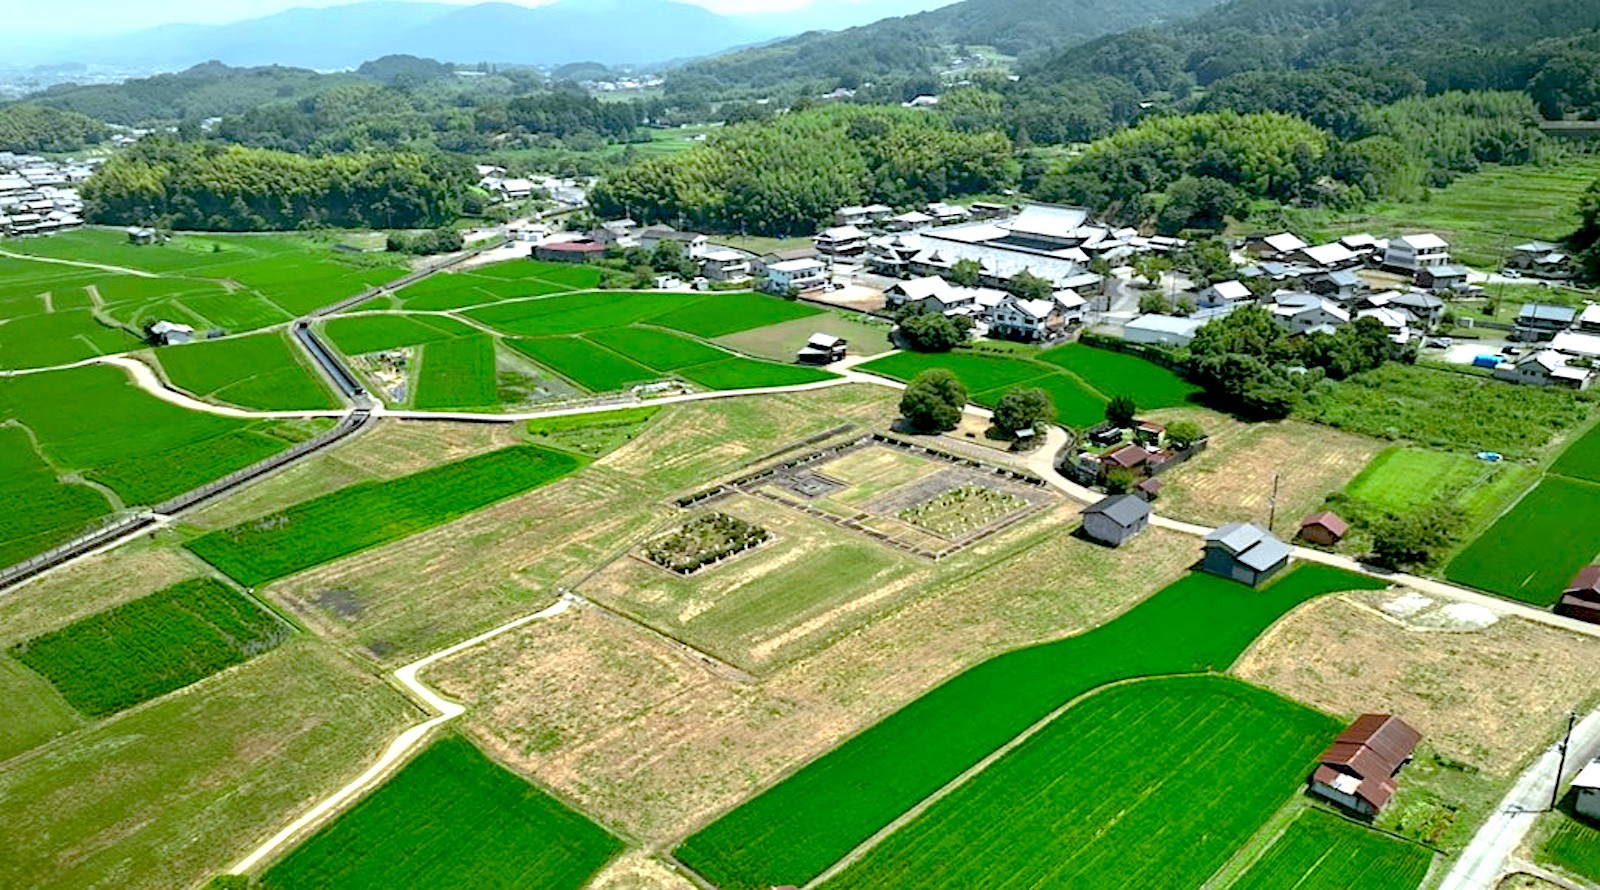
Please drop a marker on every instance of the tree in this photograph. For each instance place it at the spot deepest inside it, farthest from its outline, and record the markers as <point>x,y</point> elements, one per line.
<point>1415,539</point>
<point>1154,304</point>
<point>1029,286</point>
<point>1121,411</point>
<point>966,273</point>
<point>931,332</point>
<point>933,401</point>
<point>1023,408</point>
<point>670,258</point>
<point>1119,481</point>
<point>1182,434</point>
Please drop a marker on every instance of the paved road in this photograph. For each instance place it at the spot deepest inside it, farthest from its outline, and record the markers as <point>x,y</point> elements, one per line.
<point>1488,856</point>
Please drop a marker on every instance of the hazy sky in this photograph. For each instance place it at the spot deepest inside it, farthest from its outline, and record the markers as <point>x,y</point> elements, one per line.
<point>100,16</point>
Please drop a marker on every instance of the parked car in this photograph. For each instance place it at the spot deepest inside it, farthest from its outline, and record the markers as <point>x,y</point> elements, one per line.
<point>1511,350</point>
<point>1439,342</point>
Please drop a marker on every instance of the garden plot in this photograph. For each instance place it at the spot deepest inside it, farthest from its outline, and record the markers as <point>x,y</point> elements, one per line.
<point>703,541</point>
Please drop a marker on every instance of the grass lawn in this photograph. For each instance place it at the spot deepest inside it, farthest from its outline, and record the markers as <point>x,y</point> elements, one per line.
<point>451,818</point>
<point>1574,845</point>
<point>42,509</point>
<point>1532,551</point>
<point>727,313</point>
<point>1322,851</point>
<point>149,647</point>
<point>1581,460</point>
<point>361,334</point>
<point>96,422</point>
<point>657,350</point>
<point>595,368</point>
<point>457,373</point>
<point>737,372</point>
<point>781,341</point>
<point>1089,800</point>
<point>371,513</point>
<point>1483,215</point>
<point>171,793</point>
<point>799,827</point>
<point>1446,410</point>
<point>262,371</point>
<point>1402,478</point>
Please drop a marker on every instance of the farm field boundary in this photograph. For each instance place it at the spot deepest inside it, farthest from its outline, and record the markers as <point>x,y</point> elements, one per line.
<point>1322,851</point>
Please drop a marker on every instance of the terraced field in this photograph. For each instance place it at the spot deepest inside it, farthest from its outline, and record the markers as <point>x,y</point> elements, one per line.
<point>1089,800</point>
<point>451,818</point>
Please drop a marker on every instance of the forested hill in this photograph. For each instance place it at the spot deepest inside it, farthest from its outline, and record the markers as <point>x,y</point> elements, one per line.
<point>208,90</point>
<point>1448,44</point>
<point>919,45</point>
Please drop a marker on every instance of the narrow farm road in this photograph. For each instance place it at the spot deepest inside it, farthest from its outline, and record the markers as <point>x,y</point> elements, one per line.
<point>146,379</point>
<point>1488,857</point>
<point>120,270</point>
<point>398,751</point>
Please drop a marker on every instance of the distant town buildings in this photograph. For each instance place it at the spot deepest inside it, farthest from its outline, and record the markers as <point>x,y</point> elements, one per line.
<point>39,196</point>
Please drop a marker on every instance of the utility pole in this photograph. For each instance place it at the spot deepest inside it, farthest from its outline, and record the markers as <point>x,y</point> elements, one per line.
<point>1272,504</point>
<point>1566,741</point>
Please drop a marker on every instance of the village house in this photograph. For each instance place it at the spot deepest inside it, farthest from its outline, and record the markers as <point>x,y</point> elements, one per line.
<point>1027,320</point>
<point>1425,309</point>
<point>693,243</point>
<point>581,250</point>
<point>1358,770</point>
<point>1412,253</point>
<point>1577,344</point>
<point>1329,257</point>
<point>988,210</point>
<point>1325,528</point>
<point>784,255</point>
<point>892,254</point>
<point>801,275</point>
<point>1307,313</point>
<point>1245,552</point>
<point>1541,259</point>
<point>141,235</point>
<point>171,333</point>
<point>1341,284</point>
<point>1589,320</point>
<point>1150,434</point>
<point>724,264</point>
<point>1364,245</point>
<point>1396,321</point>
<point>622,233</point>
<point>1539,322</point>
<point>1581,599</point>
<point>870,215</point>
<point>905,222</point>
<point>1448,277</point>
<point>841,241</point>
<point>1544,367</point>
<point>1224,293</point>
<point>1281,246</point>
<point>1162,330</point>
<point>948,214</point>
<point>1116,519</point>
<point>822,349</point>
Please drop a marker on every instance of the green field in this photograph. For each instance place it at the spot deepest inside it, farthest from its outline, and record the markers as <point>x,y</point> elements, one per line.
<point>1581,460</point>
<point>1089,801</point>
<point>578,313</point>
<point>1445,409</point>
<point>1532,552</point>
<point>361,334</point>
<point>1574,845</point>
<point>149,647</point>
<point>457,373</point>
<point>796,829</point>
<point>1403,478</point>
<point>1483,214</point>
<point>737,372</point>
<point>451,818</point>
<point>35,711</point>
<point>591,434</point>
<point>657,350</point>
<point>368,514</point>
<point>262,371</point>
<point>592,367</point>
<point>94,421</point>
<point>781,341</point>
<point>1321,851</point>
<point>729,313</point>
<point>42,510</point>
<point>1080,379</point>
<point>516,279</point>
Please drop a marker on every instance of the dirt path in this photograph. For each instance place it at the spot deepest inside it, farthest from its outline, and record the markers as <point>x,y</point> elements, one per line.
<point>398,751</point>
<point>120,270</point>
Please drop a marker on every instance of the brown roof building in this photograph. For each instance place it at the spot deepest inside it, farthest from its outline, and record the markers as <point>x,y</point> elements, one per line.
<point>1128,457</point>
<point>1581,599</point>
<point>1324,528</point>
<point>1358,770</point>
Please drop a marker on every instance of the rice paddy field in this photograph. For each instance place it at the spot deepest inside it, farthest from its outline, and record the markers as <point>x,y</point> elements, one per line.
<point>1581,460</point>
<point>1089,801</point>
<point>361,334</point>
<point>796,829</point>
<point>1079,379</point>
<point>615,358</point>
<point>459,373</point>
<point>1532,551</point>
<point>42,508</point>
<point>1573,845</point>
<point>1322,851</point>
<point>587,364</point>
<point>368,514</point>
<point>451,818</point>
<point>1402,478</point>
<point>261,371</point>
<point>56,313</point>
<point>151,646</point>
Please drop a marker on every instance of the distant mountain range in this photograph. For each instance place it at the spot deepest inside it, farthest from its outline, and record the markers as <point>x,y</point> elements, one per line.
<point>609,31</point>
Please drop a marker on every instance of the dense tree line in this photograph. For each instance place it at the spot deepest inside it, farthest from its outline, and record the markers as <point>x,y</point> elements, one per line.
<point>195,185</point>
<point>28,128</point>
<point>788,175</point>
<point>207,90</point>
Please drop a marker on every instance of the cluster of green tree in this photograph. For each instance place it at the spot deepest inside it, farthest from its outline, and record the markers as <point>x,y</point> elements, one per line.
<point>428,243</point>
<point>26,128</point>
<point>924,331</point>
<point>208,90</point>
<point>1586,240</point>
<point>405,71</point>
<point>197,185</point>
<point>909,52</point>
<point>933,401</point>
<point>1248,363</point>
<point>786,176</point>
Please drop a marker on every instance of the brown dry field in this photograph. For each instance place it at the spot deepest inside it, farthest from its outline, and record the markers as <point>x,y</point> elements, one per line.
<point>1489,698</point>
<point>91,585</point>
<point>391,449</point>
<point>648,741</point>
<point>420,594</point>
<point>1232,479</point>
<point>635,870</point>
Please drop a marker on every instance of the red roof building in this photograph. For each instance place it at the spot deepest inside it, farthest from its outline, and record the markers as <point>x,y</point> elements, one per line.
<point>1128,457</point>
<point>1358,770</point>
<point>1581,599</point>
<point>1324,528</point>
<point>569,251</point>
